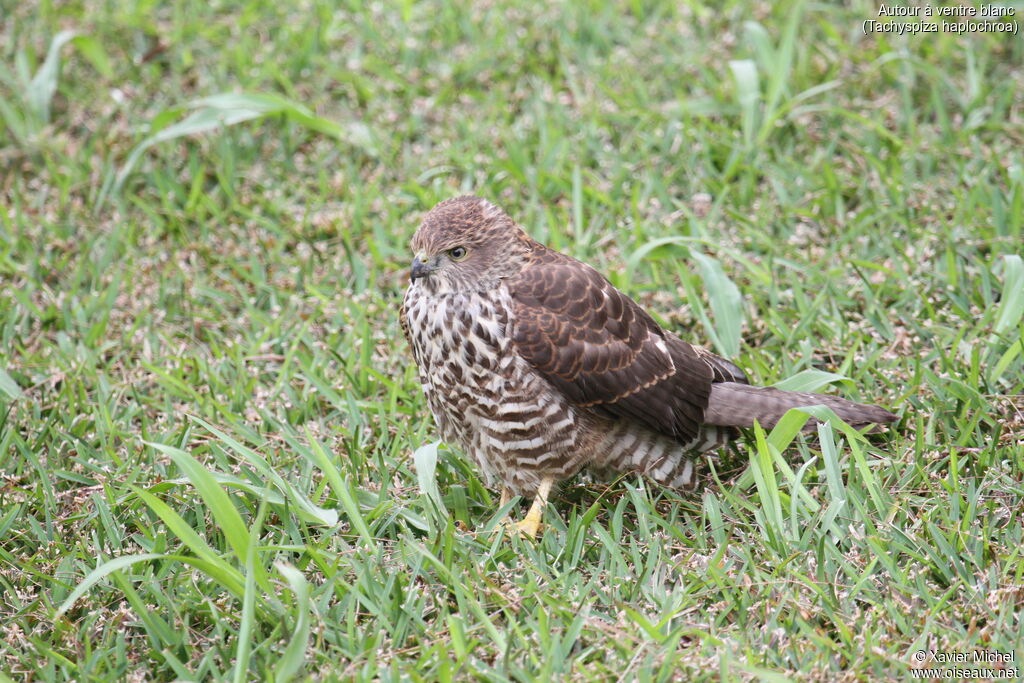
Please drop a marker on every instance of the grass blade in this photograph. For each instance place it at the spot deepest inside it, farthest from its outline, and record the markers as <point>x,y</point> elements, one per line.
<point>341,487</point>
<point>295,654</point>
<point>228,109</point>
<point>304,505</point>
<point>93,577</point>
<point>810,380</point>
<point>726,304</point>
<point>220,570</point>
<point>748,94</point>
<point>247,623</point>
<point>215,498</point>
<point>8,387</point>
<point>43,86</point>
<point>1011,307</point>
<point>425,459</point>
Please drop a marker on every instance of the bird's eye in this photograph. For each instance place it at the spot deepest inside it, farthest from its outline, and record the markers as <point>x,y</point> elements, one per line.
<point>458,253</point>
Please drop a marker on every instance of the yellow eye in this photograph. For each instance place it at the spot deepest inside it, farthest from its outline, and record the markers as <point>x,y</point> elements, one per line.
<point>458,253</point>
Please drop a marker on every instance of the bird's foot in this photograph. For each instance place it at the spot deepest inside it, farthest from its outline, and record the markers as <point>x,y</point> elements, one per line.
<point>525,527</point>
<point>528,526</point>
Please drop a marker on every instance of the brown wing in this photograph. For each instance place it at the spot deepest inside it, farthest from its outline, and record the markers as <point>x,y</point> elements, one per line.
<point>724,370</point>
<point>602,350</point>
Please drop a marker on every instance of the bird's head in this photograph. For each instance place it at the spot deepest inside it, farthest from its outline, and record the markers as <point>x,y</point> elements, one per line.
<point>467,244</point>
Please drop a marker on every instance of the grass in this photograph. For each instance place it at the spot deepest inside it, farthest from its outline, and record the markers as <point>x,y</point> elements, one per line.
<point>208,416</point>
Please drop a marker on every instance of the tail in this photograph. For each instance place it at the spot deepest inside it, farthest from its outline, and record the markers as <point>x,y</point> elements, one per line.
<point>738,405</point>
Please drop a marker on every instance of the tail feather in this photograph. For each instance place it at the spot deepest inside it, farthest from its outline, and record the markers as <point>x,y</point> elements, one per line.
<point>738,405</point>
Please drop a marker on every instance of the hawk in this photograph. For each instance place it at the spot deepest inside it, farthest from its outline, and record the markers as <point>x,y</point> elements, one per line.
<point>536,366</point>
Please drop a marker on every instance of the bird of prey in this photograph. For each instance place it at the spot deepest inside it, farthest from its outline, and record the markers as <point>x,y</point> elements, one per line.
<point>536,366</point>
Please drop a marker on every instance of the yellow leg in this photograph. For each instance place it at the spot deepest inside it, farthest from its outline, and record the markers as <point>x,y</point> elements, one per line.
<point>531,524</point>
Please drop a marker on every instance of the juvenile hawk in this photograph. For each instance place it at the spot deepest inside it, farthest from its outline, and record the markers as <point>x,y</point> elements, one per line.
<point>537,366</point>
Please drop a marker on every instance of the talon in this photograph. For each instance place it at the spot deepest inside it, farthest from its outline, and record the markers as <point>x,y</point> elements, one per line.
<point>531,524</point>
<point>528,527</point>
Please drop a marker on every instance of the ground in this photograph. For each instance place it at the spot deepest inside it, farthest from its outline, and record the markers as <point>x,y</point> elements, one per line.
<point>215,458</point>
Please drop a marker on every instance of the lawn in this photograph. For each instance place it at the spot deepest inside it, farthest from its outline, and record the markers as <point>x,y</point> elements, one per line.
<point>215,458</point>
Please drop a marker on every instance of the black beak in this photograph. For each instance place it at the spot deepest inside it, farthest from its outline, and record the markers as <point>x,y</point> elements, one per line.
<point>420,269</point>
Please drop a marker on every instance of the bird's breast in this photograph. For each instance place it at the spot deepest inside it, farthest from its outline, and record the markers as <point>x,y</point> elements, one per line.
<point>459,339</point>
<point>484,395</point>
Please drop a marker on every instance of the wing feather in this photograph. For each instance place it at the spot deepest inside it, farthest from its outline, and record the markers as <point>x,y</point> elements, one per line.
<point>603,351</point>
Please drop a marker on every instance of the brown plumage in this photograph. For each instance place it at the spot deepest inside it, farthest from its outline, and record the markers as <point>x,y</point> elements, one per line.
<point>537,366</point>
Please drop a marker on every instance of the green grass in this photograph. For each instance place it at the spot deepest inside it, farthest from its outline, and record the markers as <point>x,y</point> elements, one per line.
<point>208,416</point>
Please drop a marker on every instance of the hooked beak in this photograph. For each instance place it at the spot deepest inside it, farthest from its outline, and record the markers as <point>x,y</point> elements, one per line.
<point>420,267</point>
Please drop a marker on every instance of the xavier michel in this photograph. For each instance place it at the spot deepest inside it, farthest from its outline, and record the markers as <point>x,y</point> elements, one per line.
<point>974,657</point>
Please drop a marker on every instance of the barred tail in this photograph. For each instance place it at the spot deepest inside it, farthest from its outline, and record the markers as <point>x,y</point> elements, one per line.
<point>738,405</point>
